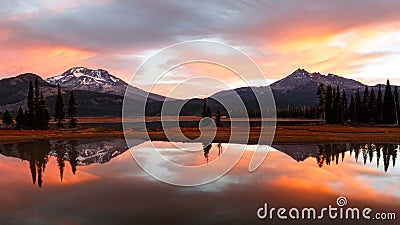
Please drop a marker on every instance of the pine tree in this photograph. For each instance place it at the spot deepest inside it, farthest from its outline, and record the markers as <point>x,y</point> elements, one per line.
<point>344,106</point>
<point>59,113</point>
<point>364,106</point>
<point>389,115</point>
<point>37,90</point>
<point>29,115</point>
<point>357,107</point>
<point>339,110</point>
<point>206,109</point>
<point>352,107</point>
<point>72,110</point>
<point>337,107</point>
<point>218,119</point>
<point>379,106</point>
<point>372,107</point>
<point>321,92</point>
<point>396,101</point>
<point>328,105</point>
<point>20,119</point>
<point>41,116</point>
<point>7,119</point>
<point>37,113</point>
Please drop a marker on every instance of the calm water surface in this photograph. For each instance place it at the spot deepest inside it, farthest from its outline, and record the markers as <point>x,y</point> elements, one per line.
<point>98,182</point>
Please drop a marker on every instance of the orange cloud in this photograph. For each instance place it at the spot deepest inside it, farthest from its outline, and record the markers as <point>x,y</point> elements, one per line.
<point>43,60</point>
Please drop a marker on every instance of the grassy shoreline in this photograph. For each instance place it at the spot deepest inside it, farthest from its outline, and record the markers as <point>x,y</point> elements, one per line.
<point>299,134</point>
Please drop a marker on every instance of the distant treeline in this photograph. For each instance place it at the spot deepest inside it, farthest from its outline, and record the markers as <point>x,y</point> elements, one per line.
<point>305,112</point>
<point>381,108</point>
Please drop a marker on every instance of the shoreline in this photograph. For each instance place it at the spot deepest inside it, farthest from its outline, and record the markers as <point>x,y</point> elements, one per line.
<point>298,134</point>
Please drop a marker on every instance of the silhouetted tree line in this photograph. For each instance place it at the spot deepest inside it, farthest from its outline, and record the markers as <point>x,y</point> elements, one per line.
<point>305,112</point>
<point>336,152</point>
<point>206,109</point>
<point>383,108</point>
<point>36,114</point>
<point>59,112</point>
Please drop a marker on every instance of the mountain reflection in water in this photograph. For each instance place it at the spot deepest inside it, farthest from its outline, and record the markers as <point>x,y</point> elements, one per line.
<point>101,183</point>
<point>76,152</point>
<point>85,152</point>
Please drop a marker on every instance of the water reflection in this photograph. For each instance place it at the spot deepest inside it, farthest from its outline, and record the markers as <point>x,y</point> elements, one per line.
<point>332,153</point>
<point>83,152</point>
<point>106,175</point>
<point>207,148</point>
<point>335,153</point>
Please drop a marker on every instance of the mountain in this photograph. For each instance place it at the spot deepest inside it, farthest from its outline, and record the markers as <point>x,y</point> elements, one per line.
<point>97,92</point>
<point>14,92</point>
<point>14,89</point>
<point>81,78</point>
<point>297,89</point>
<point>299,152</point>
<point>303,79</point>
<point>87,151</point>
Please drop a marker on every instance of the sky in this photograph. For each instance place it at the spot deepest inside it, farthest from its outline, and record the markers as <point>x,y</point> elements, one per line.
<point>358,39</point>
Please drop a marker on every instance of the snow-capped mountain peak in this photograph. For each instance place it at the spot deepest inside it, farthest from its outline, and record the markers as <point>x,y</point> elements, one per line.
<point>301,78</point>
<point>82,78</point>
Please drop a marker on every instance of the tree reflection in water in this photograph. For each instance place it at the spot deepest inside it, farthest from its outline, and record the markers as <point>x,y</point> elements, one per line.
<point>84,153</point>
<point>332,152</point>
<point>38,153</point>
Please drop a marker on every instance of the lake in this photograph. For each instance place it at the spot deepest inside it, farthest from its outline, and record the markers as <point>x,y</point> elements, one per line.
<point>98,182</point>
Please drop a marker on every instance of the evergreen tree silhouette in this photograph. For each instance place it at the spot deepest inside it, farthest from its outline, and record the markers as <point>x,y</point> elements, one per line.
<point>72,110</point>
<point>206,149</point>
<point>7,119</point>
<point>20,119</point>
<point>378,156</point>
<point>59,113</point>
<point>218,119</point>
<point>30,106</point>
<point>38,155</point>
<point>352,107</point>
<point>73,155</point>
<point>364,106</point>
<point>206,109</point>
<point>321,92</point>
<point>379,106</point>
<point>337,113</point>
<point>372,106</point>
<point>60,149</point>
<point>344,107</point>
<point>357,107</point>
<point>37,107</point>
<point>396,101</point>
<point>328,105</point>
<point>389,115</point>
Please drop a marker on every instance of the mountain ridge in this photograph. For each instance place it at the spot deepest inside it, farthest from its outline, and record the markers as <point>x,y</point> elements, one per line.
<point>101,90</point>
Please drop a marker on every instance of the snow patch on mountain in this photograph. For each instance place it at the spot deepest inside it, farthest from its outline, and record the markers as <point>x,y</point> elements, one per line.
<point>81,78</point>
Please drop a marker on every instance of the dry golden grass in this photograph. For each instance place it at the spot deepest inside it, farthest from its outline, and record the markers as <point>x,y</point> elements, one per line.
<point>295,134</point>
<point>284,134</point>
<point>9,136</point>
